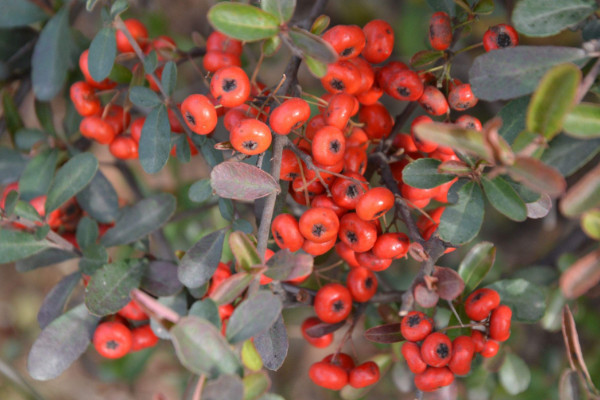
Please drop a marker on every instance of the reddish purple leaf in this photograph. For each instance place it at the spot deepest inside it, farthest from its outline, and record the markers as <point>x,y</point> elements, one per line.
<point>240,181</point>
<point>537,176</point>
<point>424,297</point>
<point>580,277</point>
<point>316,331</point>
<point>449,285</point>
<point>389,333</point>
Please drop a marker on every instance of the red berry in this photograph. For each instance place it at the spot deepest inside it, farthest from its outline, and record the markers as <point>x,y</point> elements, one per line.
<point>347,40</point>
<point>139,32</point>
<point>218,41</point>
<point>230,86</point>
<point>133,312</point>
<point>199,114</point>
<point>328,376</point>
<point>250,137</point>
<point>98,129</point>
<point>371,261</point>
<point>322,200</point>
<point>360,235</point>
<point>216,60</point>
<point>433,379</point>
<point>462,97</point>
<point>480,303</point>
<point>124,148</point>
<point>379,41</point>
<point>362,284</point>
<point>375,203</point>
<point>333,303</point>
<point>500,36</point>
<point>436,349</point>
<point>317,249</point>
<point>490,348</point>
<point>391,245</point>
<point>469,122</point>
<point>320,342</point>
<point>142,337</point>
<point>433,101</point>
<point>112,339</point>
<point>341,76</point>
<point>416,326</point>
<point>364,375</point>
<point>83,66</point>
<point>425,146</point>
<point>440,31</point>
<point>463,350</point>
<point>286,232</point>
<point>500,323</point>
<point>377,119</point>
<point>319,224</point>
<point>347,254</point>
<point>347,191</point>
<point>341,107</point>
<point>329,145</point>
<point>342,360</point>
<point>84,99</point>
<point>290,115</point>
<point>412,354</point>
<point>404,85</point>
<point>478,340</point>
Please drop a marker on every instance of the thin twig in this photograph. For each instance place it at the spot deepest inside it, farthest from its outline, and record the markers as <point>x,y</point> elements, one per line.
<point>588,81</point>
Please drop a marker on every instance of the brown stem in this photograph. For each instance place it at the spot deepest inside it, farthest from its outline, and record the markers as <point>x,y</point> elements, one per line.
<point>588,81</point>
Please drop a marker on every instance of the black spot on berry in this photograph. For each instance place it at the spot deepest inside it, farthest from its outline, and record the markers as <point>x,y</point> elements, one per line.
<point>352,237</point>
<point>339,306</point>
<point>402,91</point>
<point>318,230</point>
<point>337,84</point>
<point>189,118</point>
<point>352,191</point>
<point>414,320</point>
<point>112,344</point>
<point>346,52</point>
<point>250,145</point>
<point>442,351</point>
<point>335,146</point>
<point>229,85</point>
<point>503,40</point>
<point>368,283</point>
<point>278,237</point>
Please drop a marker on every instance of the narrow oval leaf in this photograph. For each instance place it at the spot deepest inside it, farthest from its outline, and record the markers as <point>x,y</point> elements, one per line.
<point>250,357</point>
<point>103,51</point>
<point>200,191</point>
<point>143,97</point>
<point>255,385</point>
<point>37,176</point>
<point>169,77</point>
<point>513,116</point>
<point>12,164</point>
<point>425,57</point>
<point>15,245</point>
<point>583,195</point>
<point>513,72</point>
<point>87,232</point>
<point>99,199</point>
<point>55,301</point>
<point>389,333</point>
<point>208,310</point>
<point>273,344</point>
<point>323,328</point>
<point>557,15</point>
<point>140,220</point>
<point>282,9</point>
<point>228,387</point>
<point>312,45</point>
<point>241,181</point>
<point>569,387</point>
<point>109,287</point>
<point>70,179</point>
<point>244,250</point>
<point>580,277</point>
<point>317,68</point>
<point>242,21</point>
<point>201,261</point>
<point>321,23</point>
<point>61,343</point>
<point>590,223</point>
<point>11,115</point>
<point>527,300</point>
<point>26,211</point>
<point>252,316</point>
<point>553,99</point>
<point>537,176</point>
<point>423,174</point>
<point>202,349</point>
<point>514,374</point>
<point>155,142</point>
<point>231,288</point>
<point>449,283</point>
<point>467,140</point>
<point>160,279</point>
<point>583,121</point>
<point>504,198</point>
<point>19,13</point>
<point>568,154</point>
<point>476,264</point>
<point>285,265</point>
<point>44,258</point>
<point>461,222</point>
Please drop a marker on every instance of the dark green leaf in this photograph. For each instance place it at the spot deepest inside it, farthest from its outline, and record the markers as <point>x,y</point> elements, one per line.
<point>51,56</point>
<point>200,191</point>
<point>202,349</point>
<point>538,176</point>
<point>447,6</point>
<point>529,19</point>
<point>504,198</point>
<point>425,57</point>
<point>255,385</point>
<point>15,245</point>
<point>99,199</point>
<point>155,142</point>
<point>70,179</point>
<point>87,232</point>
<point>514,374</point>
<point>201,260</point>
<point>41,232</point>
<point>143,97</point>
<point>61,343</point>
<point>160,279</point>
<point>141,220</point>
<point>476,264</point>
<point>120,74</point>
<point>210,154</point>
<point>252,316</point>
<point>527,300</point>
<point>94,257</point>
<point>285,265</point>
<point>103,51</point>
<point>583,121</point>
<point>272,345</point>
<point>55,301</point>
<point>169,77</point>
<point>19,13</point>
<point>312,45</point>
<point>44,113</point>
<point>242,225</point>
<point>423,174</point>
<point>513,72</point>
<point>11,113</point>
<point>226,209</point>
<point>241,181</point>
<point>118,7</point>
<point>591,30</point>
<point>208,310</point>
<point>109,287</point>
<point>12,164</point>
<point>461,222</point>
<point>271,46</point>
<point>182,148</point>
<point>44,258</point>
<point>282,9</point>
<point>228,387</point>
<point>150,62</point>
<point>568,154</point>
<point>513,116</point>
<point>317,68</point>
<point>25,210</point>
<point>90,4</point>
<point>484,7</point>
<point>26,138</point>
<point>37,176</point>
<point>10,202</point>
<point>243,21</point>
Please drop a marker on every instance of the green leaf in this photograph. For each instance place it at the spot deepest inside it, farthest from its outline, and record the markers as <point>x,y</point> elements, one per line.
<point>484,7</point>
<point>25,210</point>
<point>255,385</point>
<point>514,374</point>
<point>425,57</point>
<point>55,301</point>
<point>103,52</point>
<point>12,164</point>
<point>45,115</point>
<point>90,4</point>
<point>282,9</point>
<point>244,250</point>
<point>513,116</point>
<point>538,176</point>
<point>250,357</point>
<point>271,46</point>
<point>476,264</point>
<point>312,45</point>
<point>70,179</point>
<point>99,199</point>
<point>182,147</point>
<point>516,71</point>
<point>467,140</point>
<point>202,349</point>
<point>549,17</point>
<point>317,68</point>
<point>447,6</point>
<point>51,56</point>
<point>118,7</point>
<point>527,300</point>
<point>26,138</point>
<point>87,232</point>
<point>61,343</point>
<point>19,13</point>
<point>44,258</point>
<point>37,176</point>
<point>321,23</point>
<point>143,97</point>
<point>201,261</point>
<point>568,154</point>
<point>242,225</point>
<point>461,222</point>
<point>160,279</point>
<point>241,181</point>
<point>94,257</point>
<point>155,142</point>
<point>200,191</point>
<point>141,220</point>
<point>423,174</point>
<point>226,209</point>
<point>109,287</point>
<point>10,202</point>
<point>553,99</point>
<point>231,288</point>
<point>150,62</point>
<point>590,223</point>
<point>169,77</point>
<point>285,265</point>
<point>252,316</point>
<point>11,114</point>
<point>120,74</point>
<point>15,245</point>
<point>504,198</point>
<point>583,121</point>
<point>273,344</point>
<point>242,21</point>
<point>208,310</point>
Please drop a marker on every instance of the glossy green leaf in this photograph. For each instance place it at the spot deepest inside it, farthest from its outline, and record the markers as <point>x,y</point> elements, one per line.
<point>12,164</point>
<point>202,349</point>
<point>103,52</point>
<point>537,176</point>
<point>317,68</point>
<point>516,71</point>
<point>549,17</point>
<point>504,198</point>
<point>273,344</point>
<point>583,121</point>
<point>143,97</point>
<point>282,9</point>
<point>476,264</point>
<point>201,261</point>
<point>87,232</point>
<point>37,176</point>
<point>45,115</point>
<point>467,140</point>
<point>243,21</point>
<point>526,300</point>
<point>118,7</point>
<point>514,374</point>
<point>590,223</point>
<point>169,77</point>
<point>70,179</point>
<point>255,385</point>
<point>25,210</point>
<point>19,13</point>
<point>15,245</point>
<point>94,257</point>
<point>320,24</point>
<point>461,222</point>
<point>99,199</point>
<point>208,310</point>
<point>155,142</point>
<point>61,343</point>
<point>484,7</point>
<point>271,46</point>
<point>55,301</point>
<point>252,316</point>
<point>140,220</point>
<point>553,99</point>
<point>423,174</point>
<point>200,191</point>
<point>285,265</point>
<point>241,181</point>
<point>568,154</point>
<point>312,45</point>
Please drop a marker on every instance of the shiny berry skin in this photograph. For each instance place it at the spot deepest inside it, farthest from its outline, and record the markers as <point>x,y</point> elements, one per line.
<point>500,323</point>
<point>490,348</point>
<point>433,101</point>
<point>391,245</point>
<point>377,119</point>
<point>164,45</point>
<point>217,41</point>
<point>463,350</point>
<point>367,74</point>
<point>499,37</point>
<point>369,260</point>
<point>84,99</point>
<point>358,138</point>
<point>347,254</point>
<point>135,129</point>
<point>469,122</point>
<point>370,96</point>
<point>142,338</point>
<point>480,303</point>
<point>290,166</point>
<point>425,146</point>
<point>433,379</point>
<point>478,339</point>
<point>216,60</point>
<point>124,148</point>
<point>221,274</point>
<point>346,192</point>
<point>286,232</point>
<point>139,32</point>
<point>374,203</point>
<point>416,326</point>
<point>415,194</point>
<point>333,303</point>
<point>436,349</point>
<point>83,66</point>
<point>250,137</point>
<point>404,85</point>
<point>341,76</point>
<point>317,249</point>
<point>199,114</point>
<point>320,342</point>
<point>342,360</point>
<point>98,129</point>
<point>440,31</point>
<point>355,160</point>
<point>322,200</point>
<point>133,312</point>
<point>360,235</point>
<point>412,354</point>
<point>328,376</point>
<point>112,339</point>
<point>319,224</point>
<point>225,311</point>
<point>290,115</point>
<point>462,98</point>
<point>364,375</point>
<point>340,109</point>
<point>118,118</point>
<point>347,40</point>
<point>379,41</point>
<point>362,284</point>
<point>230,86</point>
<point>329,145</point>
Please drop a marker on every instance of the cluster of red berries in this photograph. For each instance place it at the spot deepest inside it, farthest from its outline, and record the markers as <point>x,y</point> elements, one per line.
<point>435,359</point>
<point>338,370</point>
<point>123,333</point>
